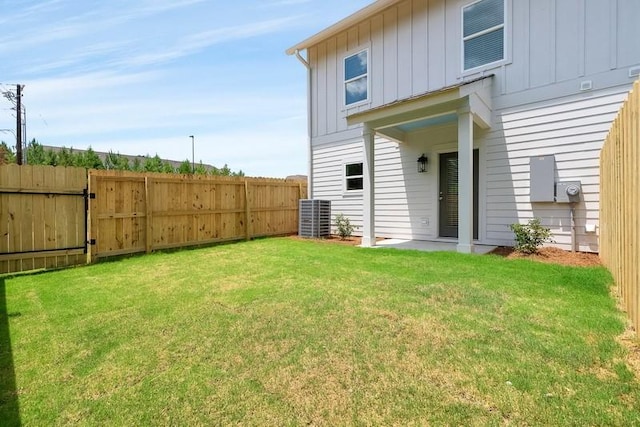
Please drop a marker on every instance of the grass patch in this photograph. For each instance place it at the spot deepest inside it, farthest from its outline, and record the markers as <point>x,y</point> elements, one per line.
<point>286,332</point>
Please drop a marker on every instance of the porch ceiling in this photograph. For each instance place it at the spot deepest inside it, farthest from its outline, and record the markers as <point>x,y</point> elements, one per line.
<point>397,119</point>
<point>428,122</point>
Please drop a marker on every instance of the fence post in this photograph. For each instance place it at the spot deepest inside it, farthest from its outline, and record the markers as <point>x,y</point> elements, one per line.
<point>148,245</point>
<point>92,221</point>
<point>247,211</point>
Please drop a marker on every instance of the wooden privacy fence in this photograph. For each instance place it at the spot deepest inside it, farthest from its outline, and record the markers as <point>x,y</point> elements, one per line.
<point>42,217</point>
<point>620,203</point>
<point>131,212</point>
<point>55,216</point>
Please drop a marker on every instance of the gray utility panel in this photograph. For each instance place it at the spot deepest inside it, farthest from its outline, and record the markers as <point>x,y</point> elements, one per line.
<point>542,170</point>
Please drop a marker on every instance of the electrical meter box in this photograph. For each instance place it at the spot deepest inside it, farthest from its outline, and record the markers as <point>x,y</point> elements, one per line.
<point>568,192</point>
<point>542,170</point>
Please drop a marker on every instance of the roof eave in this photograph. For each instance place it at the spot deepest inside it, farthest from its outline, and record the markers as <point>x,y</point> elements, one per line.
<point>342,25</point>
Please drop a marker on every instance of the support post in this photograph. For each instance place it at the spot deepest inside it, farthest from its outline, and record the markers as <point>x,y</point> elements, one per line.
<point>368,188</point>
<point>465,180</point>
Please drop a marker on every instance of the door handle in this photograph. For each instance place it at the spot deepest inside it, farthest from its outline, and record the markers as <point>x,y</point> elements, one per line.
<point>441,196</point>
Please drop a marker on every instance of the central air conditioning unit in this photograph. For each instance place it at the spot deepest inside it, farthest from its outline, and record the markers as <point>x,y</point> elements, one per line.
<point>315,218</point>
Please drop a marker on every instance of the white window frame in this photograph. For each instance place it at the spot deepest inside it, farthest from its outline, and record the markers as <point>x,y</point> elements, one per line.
<point>345,178</point>
<point>505,41</point>
<point>367,75</point>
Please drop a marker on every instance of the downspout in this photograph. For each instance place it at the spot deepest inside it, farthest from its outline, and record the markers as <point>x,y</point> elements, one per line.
<point>310,151</point>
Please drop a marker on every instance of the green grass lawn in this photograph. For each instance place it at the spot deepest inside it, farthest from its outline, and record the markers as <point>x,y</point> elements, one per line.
<point>287,332</point>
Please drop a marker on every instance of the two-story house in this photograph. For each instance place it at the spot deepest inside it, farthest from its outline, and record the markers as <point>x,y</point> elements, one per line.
<point>452,119</point>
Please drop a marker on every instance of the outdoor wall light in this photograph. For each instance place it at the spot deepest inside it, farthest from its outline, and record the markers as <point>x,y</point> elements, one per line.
<point>422,163</point>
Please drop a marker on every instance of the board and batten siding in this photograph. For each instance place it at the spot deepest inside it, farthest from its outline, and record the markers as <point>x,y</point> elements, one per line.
<point>415,48</point>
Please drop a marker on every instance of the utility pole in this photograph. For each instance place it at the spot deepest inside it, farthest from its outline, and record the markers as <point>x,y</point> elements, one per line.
<point>24,136</point>
<point>19,124</point>
<point>193,154</point>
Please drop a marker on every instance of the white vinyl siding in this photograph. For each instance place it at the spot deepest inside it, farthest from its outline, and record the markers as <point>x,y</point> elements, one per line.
<point>405,202</point>
<point>571,129</point>
<point>328,179</point>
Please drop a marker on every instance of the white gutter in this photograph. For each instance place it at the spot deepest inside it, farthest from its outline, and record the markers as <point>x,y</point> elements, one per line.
<point>343,25</point>
<point>310,151</point>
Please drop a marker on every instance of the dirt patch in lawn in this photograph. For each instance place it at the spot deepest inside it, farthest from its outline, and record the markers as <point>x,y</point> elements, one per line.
<point>631,341</point>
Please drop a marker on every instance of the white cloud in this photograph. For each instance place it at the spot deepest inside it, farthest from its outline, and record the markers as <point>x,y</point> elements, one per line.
<point>103,17</point>
<point>70,86</point>
<point>87,56</point>
<point>192,44</point>
<point>29,12</point>
<point>280,3</point>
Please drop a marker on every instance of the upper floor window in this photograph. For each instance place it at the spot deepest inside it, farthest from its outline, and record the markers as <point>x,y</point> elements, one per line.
<point>483,33</point>
<point>356,81</point>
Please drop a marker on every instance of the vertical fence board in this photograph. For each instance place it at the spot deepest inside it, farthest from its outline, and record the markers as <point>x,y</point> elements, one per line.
<point>4,220</point>
<point>247,210</point>
<point>620,204</point>
<point>13,209</point>
<point>38,218</point>
<point>148,234</point>
<point>633,274</point>
<point>26,221</point>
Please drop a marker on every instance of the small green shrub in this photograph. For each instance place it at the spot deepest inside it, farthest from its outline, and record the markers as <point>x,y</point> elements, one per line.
<point>530,236</point>
<point>344,226</point>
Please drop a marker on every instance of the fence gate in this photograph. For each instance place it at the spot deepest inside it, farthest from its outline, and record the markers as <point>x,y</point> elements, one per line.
<point>42,217</point>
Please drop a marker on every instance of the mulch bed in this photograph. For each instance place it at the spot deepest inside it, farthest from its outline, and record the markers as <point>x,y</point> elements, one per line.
<point>552,256</point>
<point>548,255</point>
<point>349,241</point>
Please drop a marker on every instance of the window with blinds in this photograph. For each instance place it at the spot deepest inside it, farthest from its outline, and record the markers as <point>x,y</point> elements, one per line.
<point>483,33</point>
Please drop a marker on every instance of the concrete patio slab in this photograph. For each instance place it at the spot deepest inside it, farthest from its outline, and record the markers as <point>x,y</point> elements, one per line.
<point>429,246</point>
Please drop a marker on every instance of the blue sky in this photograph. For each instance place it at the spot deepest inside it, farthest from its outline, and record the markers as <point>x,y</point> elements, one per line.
<point>140,76</point>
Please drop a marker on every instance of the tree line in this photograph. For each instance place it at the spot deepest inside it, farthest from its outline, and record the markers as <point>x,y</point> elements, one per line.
<point>37,154</point>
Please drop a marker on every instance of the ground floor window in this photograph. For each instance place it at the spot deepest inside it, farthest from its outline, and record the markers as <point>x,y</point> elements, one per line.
<point>353,176</point>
